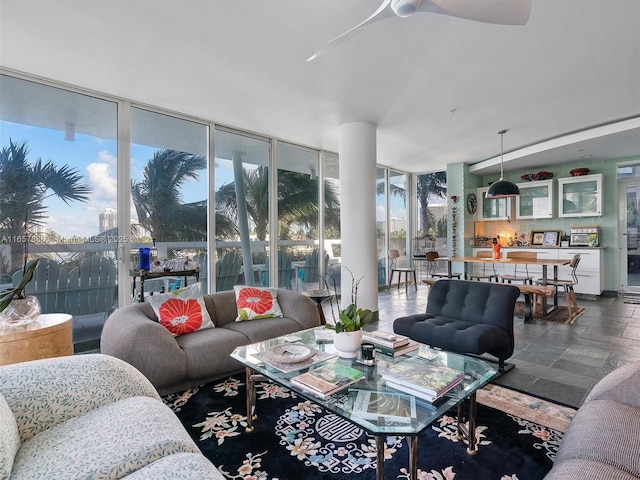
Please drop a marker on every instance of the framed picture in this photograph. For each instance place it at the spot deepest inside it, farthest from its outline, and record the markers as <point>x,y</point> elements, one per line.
<point>547,238</point>
<point>537,237</point>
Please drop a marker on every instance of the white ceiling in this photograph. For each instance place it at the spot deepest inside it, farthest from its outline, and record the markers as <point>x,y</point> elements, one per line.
<point>565,85</point>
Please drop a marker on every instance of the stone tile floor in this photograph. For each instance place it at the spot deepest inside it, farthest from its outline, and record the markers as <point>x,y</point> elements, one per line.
<point>557,361</point>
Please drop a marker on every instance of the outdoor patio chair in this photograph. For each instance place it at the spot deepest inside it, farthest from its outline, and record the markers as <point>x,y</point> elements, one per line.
<point>228,271</point>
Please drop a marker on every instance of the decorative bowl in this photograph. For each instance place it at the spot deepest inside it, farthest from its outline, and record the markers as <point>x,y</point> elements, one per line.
<point>577,172</point>
<point>544,175</point>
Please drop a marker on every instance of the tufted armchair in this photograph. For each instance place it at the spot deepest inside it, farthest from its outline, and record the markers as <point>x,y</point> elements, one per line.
<point>90,416</point>
<point>465,317</point>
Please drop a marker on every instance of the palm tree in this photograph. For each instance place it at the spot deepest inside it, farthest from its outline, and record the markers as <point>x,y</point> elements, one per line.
<point>297,200</point>
<point>430,185</point>
<point>23,189</point>
<point>158,201</point>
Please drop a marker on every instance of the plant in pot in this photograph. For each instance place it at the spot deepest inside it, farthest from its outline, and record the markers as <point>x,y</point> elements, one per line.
<point>16,308</point>
<point>348,325</point>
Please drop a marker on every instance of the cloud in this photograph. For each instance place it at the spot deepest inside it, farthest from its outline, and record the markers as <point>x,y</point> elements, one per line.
<point>102,177</point>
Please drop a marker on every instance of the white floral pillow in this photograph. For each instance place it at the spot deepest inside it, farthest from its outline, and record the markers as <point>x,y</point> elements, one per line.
<point>182,311</point>
<point>256,302</point>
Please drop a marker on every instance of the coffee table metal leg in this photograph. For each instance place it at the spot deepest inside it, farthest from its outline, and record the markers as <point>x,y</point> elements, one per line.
<point>380,442</point>
<point>251,378</point>
<point>468,431</point>
<point>413,457</point>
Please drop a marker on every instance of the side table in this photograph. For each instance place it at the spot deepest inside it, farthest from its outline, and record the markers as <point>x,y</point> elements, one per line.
<point>319,296</point>
<point>147,275</point>
<point>51,335</point>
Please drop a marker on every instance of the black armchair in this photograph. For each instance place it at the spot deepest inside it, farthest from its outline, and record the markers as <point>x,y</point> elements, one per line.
<point>465,317</point>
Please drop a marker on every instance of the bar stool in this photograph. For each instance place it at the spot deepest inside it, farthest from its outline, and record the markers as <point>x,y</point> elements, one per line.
<point>393,257</point>
<point>432,266</point>
<point>484,275</point>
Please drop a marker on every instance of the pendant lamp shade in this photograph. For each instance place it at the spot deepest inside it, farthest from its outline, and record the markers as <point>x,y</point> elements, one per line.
<point>502,188</point>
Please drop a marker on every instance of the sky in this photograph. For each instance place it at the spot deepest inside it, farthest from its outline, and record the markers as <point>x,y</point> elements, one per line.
<point>96,160</point>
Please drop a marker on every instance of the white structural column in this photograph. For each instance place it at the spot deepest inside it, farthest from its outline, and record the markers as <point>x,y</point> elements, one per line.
<point>357,161</point>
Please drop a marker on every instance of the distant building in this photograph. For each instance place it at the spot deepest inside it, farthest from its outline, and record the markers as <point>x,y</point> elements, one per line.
<point>107,220</point>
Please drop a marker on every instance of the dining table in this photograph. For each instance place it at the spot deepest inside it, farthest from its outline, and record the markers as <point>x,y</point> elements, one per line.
<point>544,263</point>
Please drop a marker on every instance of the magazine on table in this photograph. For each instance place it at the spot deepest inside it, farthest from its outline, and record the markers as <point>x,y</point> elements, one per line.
<point>385,339</point>
<point>328,379</point>
<point>397,352</point>
<point>419,375</point>
<point>395,407</point>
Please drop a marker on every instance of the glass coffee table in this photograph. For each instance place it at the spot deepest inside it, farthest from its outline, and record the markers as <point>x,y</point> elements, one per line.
<point>255,358</point>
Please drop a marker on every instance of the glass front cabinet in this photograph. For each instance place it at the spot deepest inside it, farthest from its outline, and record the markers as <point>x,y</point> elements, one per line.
<point>535,199</point>
<point>493,208</point>
<point>580,196</point>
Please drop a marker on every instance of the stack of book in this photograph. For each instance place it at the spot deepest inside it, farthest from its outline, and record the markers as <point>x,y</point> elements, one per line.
<point>327,379</point>
<point>421,378</point>
<point>390,344</point>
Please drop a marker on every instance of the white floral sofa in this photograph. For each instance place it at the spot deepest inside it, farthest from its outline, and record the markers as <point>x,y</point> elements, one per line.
<point>90,416</point>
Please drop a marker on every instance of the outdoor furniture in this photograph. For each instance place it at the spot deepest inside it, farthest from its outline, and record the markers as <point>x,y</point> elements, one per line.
<point>285,271</point>
<point>515,256</point>
<point>407,271</point>
<point>465,317</point>
<point>484,275</point>
<point>310,272</point>
<point>567,286</point>
<point>228,271</point>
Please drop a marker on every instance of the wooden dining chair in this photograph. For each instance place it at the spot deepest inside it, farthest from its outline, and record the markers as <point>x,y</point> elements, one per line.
<point>407,271</point>
<point>432,267</point>
<point>484,275</point>
<point>519,277</point>
<point>567,286</point>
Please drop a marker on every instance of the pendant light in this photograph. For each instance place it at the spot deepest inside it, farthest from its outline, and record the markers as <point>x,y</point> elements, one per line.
<point>502,188</point>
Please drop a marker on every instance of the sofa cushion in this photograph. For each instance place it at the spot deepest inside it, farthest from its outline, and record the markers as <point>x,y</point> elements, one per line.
<point>180,466</point>
<point>182,311</point>
<point>9,438</point>
<point>605,431</point>
<point>455,335</point>
<point>621,385</point>
<point>256,302</point>
<point>583,469</point>
<point>108,443</point>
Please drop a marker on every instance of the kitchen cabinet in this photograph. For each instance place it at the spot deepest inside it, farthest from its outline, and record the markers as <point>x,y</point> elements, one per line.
<point>580,196</point>
<point>493,208</point>
<point>535,199</point>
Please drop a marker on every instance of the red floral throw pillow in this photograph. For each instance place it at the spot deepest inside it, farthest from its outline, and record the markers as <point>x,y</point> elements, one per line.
<point>182,311</point>
<point>255,302</point>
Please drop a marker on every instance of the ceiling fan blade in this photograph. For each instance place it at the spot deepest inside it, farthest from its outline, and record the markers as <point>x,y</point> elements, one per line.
<point>504,12</point>
<point>375,16</point>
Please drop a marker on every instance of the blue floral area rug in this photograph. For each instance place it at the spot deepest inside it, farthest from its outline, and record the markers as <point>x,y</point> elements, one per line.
<point>295,439</point>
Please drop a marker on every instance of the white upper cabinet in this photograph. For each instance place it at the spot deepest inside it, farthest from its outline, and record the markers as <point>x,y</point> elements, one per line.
<point>535,199</point>
<point>493,208</point>
<point>580,196</point>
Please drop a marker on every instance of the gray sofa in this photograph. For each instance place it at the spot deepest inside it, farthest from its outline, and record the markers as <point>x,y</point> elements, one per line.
<point>172,364</point>
<point>603,439</point>
<point>91,416</point>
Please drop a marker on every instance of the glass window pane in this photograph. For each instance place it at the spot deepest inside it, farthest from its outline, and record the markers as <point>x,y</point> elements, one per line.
<point>332,235</point>
<point>58,176</point>
<point>381,224</point>
<point>169,195</point>
<point>242,208</point>
<point>432,213</point>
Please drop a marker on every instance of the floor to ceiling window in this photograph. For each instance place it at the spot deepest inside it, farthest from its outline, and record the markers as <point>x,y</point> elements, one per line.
<point>331,230</point>
<point>58,179</point>
<point>431,231</point>
<point>168,193</point>
<point>382,231</point>
<point>242,208</point>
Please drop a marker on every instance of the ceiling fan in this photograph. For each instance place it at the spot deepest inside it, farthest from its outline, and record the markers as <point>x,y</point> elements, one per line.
<point>505,12</point>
